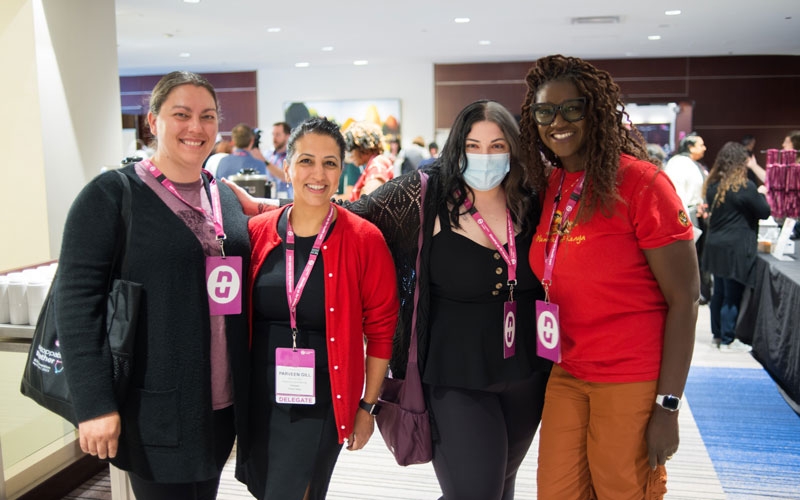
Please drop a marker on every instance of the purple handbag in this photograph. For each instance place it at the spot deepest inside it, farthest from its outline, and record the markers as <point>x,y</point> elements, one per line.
<point>403,420</point>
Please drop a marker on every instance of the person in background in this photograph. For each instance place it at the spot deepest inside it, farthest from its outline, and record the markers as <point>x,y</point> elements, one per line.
<point>656,155</point>
<point>365,145</point>
<point>614,249</point>
<point>275,159</point>
<point>792,141</point>
<point>240,158</point>
<point>688,175</point>
<point>221,149</point>
<point>485,406</point>
<point>175,428</point>
<point>433,149</point>
<point>735,205</point>
<point>322,283</point>
<point>755,172</point>
<point>411,157</point>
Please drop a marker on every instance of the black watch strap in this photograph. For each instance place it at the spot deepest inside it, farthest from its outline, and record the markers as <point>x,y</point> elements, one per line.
<point>371,408</point>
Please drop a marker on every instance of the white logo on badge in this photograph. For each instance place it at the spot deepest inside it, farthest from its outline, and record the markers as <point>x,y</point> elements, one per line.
<point>547,328</point>
<point>223,284</point>
<point>510,328</point>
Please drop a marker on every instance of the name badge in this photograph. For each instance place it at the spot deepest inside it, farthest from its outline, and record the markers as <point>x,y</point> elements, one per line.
<point>294,376</point>
<point>224,285</point>
<point>548,335</point>
<point>509,329</point>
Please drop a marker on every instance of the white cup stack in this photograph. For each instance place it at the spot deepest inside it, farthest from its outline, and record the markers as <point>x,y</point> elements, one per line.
<point>4,316</point>
<point>38,285</point>
<point>17,299</point>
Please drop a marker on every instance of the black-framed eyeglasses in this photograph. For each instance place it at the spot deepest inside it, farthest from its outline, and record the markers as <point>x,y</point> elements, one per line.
<point>572,110</point>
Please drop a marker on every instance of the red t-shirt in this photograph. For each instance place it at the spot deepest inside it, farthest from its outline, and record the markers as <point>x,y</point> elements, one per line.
<point>611,309</point>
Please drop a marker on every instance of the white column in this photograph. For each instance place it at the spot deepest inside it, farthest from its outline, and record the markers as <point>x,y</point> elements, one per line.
<point>62,120</point>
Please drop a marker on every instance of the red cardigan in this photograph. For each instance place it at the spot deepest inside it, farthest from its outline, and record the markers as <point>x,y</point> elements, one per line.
<point>360,301</point>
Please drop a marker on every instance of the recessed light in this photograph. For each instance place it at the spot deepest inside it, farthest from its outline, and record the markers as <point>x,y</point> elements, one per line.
<point>654,37</point>
<point>327,49</point>
<point>273,30</point>
<point>672,13</point>
<point>361,62</point>
<point>484,42</point>
<point>191,1</point>
<point>461,20</point>
<point>184,54</point>
<point>301,65</point>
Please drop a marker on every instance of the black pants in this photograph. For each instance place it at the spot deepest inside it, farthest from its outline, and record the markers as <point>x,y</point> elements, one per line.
<point>483,436</point>
<point>224,433</point>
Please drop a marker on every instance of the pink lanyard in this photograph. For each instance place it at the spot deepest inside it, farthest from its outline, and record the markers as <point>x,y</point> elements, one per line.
<point>216,206</point>
<point>550,257</point>
<point>511,256</point>
<point>293,294</point>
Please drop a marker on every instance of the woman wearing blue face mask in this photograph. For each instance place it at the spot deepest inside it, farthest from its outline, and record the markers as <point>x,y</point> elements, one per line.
<point>484,382</point>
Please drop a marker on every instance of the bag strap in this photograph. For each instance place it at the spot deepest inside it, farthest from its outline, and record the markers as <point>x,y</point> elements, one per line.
<point>126,218</point>
<point>412,348</point>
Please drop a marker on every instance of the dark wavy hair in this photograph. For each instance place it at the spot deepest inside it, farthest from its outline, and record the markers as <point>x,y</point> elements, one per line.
<point>452,162</point>
<point>730,170</point>
<point>608,130</point>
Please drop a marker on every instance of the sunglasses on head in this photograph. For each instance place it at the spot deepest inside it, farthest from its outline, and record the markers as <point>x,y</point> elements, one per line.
<point>572,110</point>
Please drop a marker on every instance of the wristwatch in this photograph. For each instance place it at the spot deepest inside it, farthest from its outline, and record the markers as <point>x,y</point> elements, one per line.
<point>669,402</point>
<point>371,408</point>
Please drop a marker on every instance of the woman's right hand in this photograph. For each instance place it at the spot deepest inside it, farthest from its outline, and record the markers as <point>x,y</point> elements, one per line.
<point>250,205</point>
<point>100,436</point>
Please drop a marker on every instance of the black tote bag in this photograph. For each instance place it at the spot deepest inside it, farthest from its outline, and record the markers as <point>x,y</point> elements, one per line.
<point>44,380</point>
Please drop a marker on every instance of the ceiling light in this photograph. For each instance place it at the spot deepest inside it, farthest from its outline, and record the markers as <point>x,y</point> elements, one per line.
<point>361,62</point>
<point>191,1</point>
<point>596,20</point>
<point>301,65</point>
<point>484,42</point>
<point>461,20</point>
<point>184,54</point>
<point>654,37</point>
<point>672,13</point>
<point>327,49</point>
<point>273,30</point>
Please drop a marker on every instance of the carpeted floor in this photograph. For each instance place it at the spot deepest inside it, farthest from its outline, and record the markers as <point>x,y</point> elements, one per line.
<point>751,434</point>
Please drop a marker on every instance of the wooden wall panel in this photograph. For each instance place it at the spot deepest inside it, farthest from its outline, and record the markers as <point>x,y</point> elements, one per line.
<point>722,98</point>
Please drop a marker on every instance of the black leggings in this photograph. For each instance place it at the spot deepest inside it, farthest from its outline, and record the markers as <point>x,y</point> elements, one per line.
<point>224,433</point>
<point>483,436</point>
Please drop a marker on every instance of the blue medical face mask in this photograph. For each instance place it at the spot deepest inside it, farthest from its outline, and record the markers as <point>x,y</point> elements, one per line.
<point>485,172</point>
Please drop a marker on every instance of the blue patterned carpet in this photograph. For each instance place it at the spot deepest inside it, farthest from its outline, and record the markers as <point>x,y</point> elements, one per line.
<point>750,432</point>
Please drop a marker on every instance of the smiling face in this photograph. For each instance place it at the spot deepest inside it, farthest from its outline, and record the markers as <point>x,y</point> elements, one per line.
<point>314,170</point>
<point>186,127</point>
<point>565,139</point>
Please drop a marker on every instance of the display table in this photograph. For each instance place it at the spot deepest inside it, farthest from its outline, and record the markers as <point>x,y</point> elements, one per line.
<point>770,321</point>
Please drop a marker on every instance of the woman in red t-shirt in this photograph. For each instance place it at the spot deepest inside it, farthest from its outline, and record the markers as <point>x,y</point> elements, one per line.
<point>365,144</point>
<point>614,248</point>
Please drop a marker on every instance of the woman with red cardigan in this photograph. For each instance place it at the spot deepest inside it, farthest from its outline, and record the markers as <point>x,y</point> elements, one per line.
<point>321,282</point>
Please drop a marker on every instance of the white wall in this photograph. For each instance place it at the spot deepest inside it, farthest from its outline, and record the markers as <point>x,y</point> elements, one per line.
<point>62,117</point>
<point>412,84</point>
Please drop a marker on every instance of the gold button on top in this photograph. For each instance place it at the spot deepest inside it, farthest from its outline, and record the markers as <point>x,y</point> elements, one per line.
<point>499,286</point>
<point>495,292</point>
<point>496,256</point>
<point>499,270</point>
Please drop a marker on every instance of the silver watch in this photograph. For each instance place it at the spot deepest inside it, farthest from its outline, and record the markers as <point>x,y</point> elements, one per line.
<point>669,402</point>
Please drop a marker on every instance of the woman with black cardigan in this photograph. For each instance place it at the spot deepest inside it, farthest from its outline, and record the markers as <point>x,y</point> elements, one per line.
<point>174,429</point>
<point>735,206</point>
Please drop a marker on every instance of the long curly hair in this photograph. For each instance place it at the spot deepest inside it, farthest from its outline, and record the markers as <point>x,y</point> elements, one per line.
<point>453,162</point>
<point>730,170</point>
<point>608,130</point>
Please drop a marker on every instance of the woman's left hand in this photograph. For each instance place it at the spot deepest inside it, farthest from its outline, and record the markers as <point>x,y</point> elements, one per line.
<point>662,436</point>
<point>362,430</point>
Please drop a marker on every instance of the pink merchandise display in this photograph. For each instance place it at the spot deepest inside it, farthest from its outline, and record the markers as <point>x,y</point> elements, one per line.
<point>783,183</point>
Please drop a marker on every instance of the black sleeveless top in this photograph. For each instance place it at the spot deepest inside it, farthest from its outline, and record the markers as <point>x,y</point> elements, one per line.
<point>468,286</point>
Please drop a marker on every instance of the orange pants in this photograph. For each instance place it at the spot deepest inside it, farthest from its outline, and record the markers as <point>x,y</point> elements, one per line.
<point>592,441</point>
